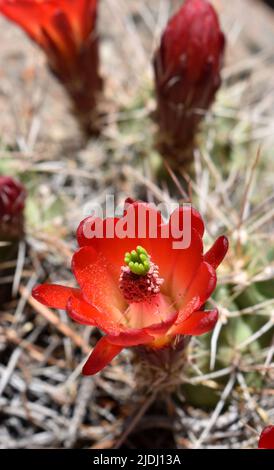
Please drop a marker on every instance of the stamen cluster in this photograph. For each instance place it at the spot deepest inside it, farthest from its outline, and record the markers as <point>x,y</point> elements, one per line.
<point>136,288</point>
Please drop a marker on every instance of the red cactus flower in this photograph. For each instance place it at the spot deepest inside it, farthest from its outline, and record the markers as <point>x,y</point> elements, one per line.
<point>12,202</point>
<point>187,72</point>
<point>152,301</point>
<point>267,438</point>
<point>66,31</point>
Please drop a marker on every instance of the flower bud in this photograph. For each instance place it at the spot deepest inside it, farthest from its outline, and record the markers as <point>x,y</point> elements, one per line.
<point>187,68</point>
<point>12,202</point>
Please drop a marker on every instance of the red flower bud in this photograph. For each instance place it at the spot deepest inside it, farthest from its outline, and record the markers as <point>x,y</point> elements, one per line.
<point>12,203</point>
<point>187,73</point>
<point>267,438</point>
<point>66,31</point>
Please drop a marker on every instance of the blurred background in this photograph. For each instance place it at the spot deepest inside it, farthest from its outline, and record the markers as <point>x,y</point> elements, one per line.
<point>225,394</point>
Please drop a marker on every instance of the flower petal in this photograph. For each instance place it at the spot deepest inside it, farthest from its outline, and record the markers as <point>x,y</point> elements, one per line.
<point>183,223</point>
<point>102,354</point>
<point>155,311</point>
<point>203,283</point>
<point>267,438</point>
<point>113,237</point>
<point>217,252</point>
<point>132,337</point>
<point>98,283</point>
<point>187,265</point>
<point>30,16</point>
<point>187,214</point>
<point>102,236</point>
<point>86,229</point>
<point>85,314</point>
<point>53,295</point>
<point>197,323</point>
<point>162,328</point>
<point>61,24</point>
<point>200,289</point>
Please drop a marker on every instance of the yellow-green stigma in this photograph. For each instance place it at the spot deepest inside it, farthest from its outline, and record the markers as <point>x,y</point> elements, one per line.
<point>138,261</point>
